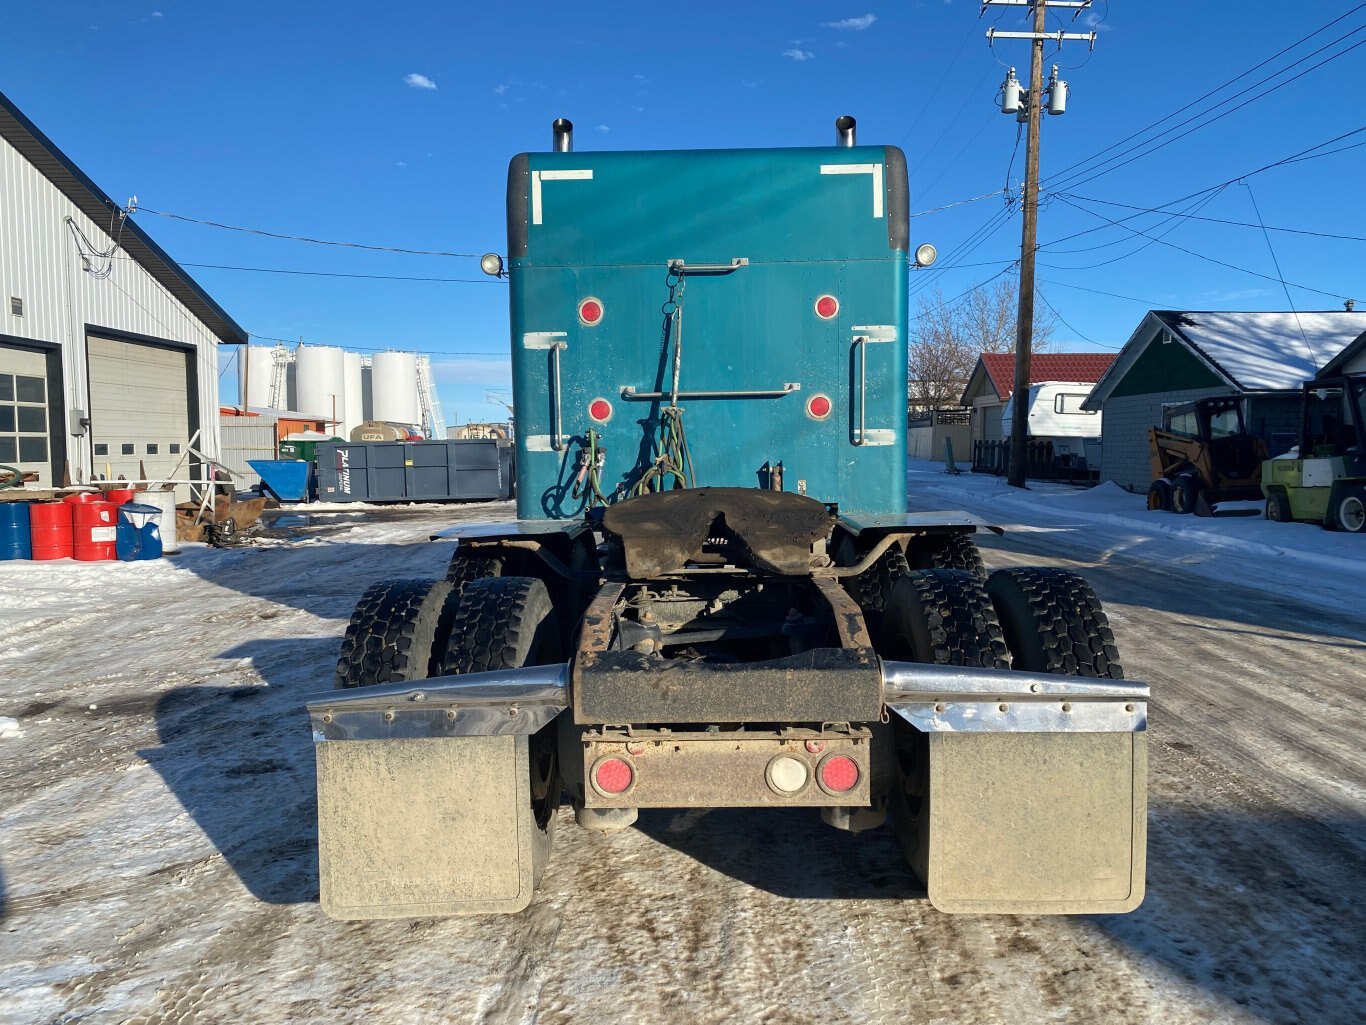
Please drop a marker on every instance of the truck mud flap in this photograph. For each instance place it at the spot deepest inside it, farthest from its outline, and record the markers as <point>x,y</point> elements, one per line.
<point>424,802</point>
<point>429,826</point>
<point>1037,823</point>
<point>1037,796</point>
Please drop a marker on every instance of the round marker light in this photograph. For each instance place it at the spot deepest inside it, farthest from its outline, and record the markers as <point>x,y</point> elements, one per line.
<point>925,255</point>
<point>600,410</point>
<point>787,775</point>
<point>590,311</point>
<point>491,264</point>
<point>839,774</point>
<point>818,407</point>
<point>827,306</point>
<point>613,776</point>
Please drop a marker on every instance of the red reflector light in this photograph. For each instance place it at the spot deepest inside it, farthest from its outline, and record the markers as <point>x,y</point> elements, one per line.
<point>600,410</point>
<point>615,776</point>
<point>590,311</point>
<point>827,306</point>
<point>818,406</point>
<point>839,773</point>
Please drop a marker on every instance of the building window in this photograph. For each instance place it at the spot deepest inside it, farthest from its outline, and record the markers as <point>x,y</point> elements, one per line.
<point>151,449</point>
<point>23,419</point>
<point>101,449</point>
<point>127,449</point>
<point>175,448</point>
<point>16,306</point>
<point>1070,402</point>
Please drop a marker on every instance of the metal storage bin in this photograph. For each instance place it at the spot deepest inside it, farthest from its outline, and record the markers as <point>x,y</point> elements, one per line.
<point>414,471</point>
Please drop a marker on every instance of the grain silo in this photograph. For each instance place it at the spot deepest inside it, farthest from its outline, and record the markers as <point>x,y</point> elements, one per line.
<point>394,379</point>
<point>355,402</point>
<point>321,376</point>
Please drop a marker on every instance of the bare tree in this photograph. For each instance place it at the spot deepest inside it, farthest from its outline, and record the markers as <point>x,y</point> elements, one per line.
<point>947,338</point>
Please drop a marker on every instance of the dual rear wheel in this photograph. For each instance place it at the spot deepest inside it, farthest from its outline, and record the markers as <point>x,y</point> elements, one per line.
<point>1032,620</point>
<point>405,630</point>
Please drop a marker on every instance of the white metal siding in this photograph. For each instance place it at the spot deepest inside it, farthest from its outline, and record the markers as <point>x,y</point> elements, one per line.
<point>40,263</point>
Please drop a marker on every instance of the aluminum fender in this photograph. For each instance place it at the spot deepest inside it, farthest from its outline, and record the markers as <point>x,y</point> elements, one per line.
<point>954,699</point>
<point>505,703</point>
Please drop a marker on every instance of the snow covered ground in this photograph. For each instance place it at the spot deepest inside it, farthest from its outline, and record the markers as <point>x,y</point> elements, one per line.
<point>157,860</point>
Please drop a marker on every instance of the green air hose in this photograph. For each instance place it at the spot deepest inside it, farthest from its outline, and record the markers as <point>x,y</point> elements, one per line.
<point>16,479</point>
<point>672,467</point>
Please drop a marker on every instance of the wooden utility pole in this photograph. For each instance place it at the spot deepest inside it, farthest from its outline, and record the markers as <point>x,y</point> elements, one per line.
<point>1024,316</point>
<point>1032,115</point>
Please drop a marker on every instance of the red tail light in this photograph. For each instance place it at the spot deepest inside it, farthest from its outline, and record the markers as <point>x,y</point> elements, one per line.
<point>600,410</point>
<point>838,774</point>
<point>614,776</point>
<point>590,311</point>
<point>818,407</point>
<point>827,306</point>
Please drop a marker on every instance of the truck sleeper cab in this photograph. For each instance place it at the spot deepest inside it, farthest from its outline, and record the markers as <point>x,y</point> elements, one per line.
<point>714,595</point>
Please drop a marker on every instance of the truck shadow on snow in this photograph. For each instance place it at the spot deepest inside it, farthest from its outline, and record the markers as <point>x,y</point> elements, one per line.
<point>240,761</point>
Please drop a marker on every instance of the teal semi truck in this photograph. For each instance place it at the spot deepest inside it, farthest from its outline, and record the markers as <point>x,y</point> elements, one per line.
<point>714,594</point>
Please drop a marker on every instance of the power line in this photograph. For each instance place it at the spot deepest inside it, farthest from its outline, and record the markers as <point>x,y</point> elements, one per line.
<point>303,238</point>
<point>1256,67</point>
<point>1118,160</point>
<point>373,348</point>
<point>1199,204</point>
<point>1151,304</point>
<point>1191,252</point>
<point>335,274</point>
<point>961,202</point>
<point>1216,220</point>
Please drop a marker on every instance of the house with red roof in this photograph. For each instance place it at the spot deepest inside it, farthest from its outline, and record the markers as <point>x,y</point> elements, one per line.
<point>993,380</point>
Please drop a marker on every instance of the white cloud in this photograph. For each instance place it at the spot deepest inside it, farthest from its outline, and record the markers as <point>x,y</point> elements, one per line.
<point>851,24</point>
<point>403,163</point>
<point>419,81</point>
<point>749,83</point>
<point>799,55</point>
<point>502,90</point>
<point>1097,23</point>
<point>603,128</point>
<point>157,14</point>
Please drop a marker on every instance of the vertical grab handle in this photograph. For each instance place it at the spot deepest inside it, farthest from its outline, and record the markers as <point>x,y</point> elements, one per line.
<point>861,344</point>
<point>556,425</point>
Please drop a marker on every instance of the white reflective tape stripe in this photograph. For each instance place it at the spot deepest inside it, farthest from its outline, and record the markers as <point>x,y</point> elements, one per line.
<point>538,443</point>
<point>873,437</point>
<point>543,339</point>
<point>876,332</point>
<point>551,176</point>
<point>874,169</point>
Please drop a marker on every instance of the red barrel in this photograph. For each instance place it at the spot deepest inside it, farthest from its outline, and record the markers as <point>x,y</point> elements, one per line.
<point>83,498</point>
<point>50,527</point>
<point>94,527</point>
<point>119,496</point>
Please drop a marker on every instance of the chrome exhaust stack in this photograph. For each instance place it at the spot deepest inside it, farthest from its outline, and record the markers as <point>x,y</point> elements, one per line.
<point>562,135</point>
<point>845,131</point>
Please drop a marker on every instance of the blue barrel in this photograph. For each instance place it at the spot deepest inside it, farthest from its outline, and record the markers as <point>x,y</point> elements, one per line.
<point>16,539</point>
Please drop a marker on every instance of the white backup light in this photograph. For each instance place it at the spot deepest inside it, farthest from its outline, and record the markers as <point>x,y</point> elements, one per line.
<point>787,775</point>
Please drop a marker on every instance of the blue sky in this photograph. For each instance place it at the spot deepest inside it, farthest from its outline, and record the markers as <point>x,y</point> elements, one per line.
<point>392,125</point>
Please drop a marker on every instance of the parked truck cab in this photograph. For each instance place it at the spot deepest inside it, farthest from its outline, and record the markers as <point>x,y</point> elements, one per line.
<point>714,593</point>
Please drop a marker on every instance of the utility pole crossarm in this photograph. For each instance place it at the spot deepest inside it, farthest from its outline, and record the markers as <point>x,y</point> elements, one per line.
<point>1056,37</point>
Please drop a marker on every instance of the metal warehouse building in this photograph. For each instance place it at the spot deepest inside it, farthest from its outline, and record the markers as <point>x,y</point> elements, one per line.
<point>108,349</point>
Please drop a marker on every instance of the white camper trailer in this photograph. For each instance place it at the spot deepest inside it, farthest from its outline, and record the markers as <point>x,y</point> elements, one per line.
<point>1055,415</point>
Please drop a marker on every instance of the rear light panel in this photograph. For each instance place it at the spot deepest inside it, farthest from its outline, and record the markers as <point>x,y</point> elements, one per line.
<point>827,307</point>
<point>599,411</point>
<point>731,769</point>
<point>819,406</point>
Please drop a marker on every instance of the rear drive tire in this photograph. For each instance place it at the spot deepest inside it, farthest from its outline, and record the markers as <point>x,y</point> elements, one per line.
<point>873,586</point>
<point>1349,512</point>
<point>1160,495</point>
<point>508,623</point>
<point>954,551</point>
<point>942,617</point>
<point>464,568</point>
<point>396,629</point>
<point>1185,491</point>
<point>1053,623</point>
<point>939,617</point>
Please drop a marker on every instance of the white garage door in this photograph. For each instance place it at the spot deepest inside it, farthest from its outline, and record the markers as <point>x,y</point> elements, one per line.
<point>139,409</point>
<point>24,429</point>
